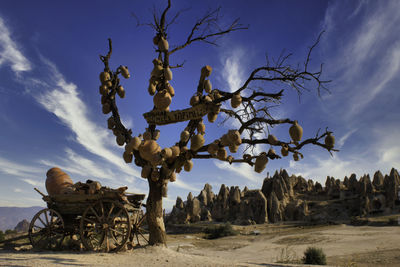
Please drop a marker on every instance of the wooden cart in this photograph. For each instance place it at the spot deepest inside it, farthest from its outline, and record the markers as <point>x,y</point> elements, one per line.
<point>106,221</point>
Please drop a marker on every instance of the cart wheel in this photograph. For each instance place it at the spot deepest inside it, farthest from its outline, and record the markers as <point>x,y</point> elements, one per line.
<point>105,226</point>
<point>139,233</point>
<point>46,230</point>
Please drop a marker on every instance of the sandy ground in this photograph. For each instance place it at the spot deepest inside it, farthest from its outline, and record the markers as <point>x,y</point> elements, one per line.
<point>261,245</point>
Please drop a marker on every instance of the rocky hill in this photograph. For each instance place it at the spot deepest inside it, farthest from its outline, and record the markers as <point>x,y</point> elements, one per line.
<point>293,198</point>
<point>11,216</point>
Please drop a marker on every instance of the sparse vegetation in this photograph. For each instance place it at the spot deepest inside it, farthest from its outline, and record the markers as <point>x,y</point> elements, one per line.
<point>314,255</point>
<point>214,232</point>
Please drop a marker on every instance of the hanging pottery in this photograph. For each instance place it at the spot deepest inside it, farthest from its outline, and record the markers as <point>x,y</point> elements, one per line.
<point>166,153</point>
<point>185,136</point>
<point>146,171</point>
<point>135,143</point>
<point>148,148</point>
<point>156,159</point>
<point>104,77</point>
<point>206,71</point>
<point>212,117</point>
<point>170,89</point>
<point>157,71</point>
<point>103,99</point>
<point>212,149</point>
<point>151,89</point>
<point>284,150</point>
<point>233,148</point>
<point>121,91</point>
<point>188,165</point>
<point>197,141</point>
<point>156,39</point>
<point>120,140</point>
<point>296,132</point>
<point>216,94</point>
<point>167,74</point>
<point>162,100</point>
<point>125,72</point>
<point>163,44</point>
<point>147,135</point>
<point>207,86</point>
<point>261,162</point>
<point>272,139</point>
<point>156,135</point>
<point>194,100</point>
<point>330,141</point>
<point>236,100</point>
<point>172,177</point>
<point>128,156</point>
<point>271,152</point>
<point>106,108</point>
<point>201,128</point>
<point>221,153</point>
<point>103,89</point>
<point>175,151</point>
<point>225,140</point>
<point>207,99</point>
<point>296,156</point>
<point>234,137</point>
<point>111,122</point>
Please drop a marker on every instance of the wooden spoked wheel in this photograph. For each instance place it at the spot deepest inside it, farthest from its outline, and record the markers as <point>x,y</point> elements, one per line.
<point>139,233</point>
<point>105,226</point>
<point>46,230</point>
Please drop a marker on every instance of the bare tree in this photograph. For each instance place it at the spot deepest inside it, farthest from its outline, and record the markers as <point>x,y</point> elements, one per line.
<point>250,107</point>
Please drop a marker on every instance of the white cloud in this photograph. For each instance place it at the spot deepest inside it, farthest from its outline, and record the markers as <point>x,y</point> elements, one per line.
<point>65,102</point>
<point>241,169</point>
<point>17,190</point>
<point>342,140</point>
<point>33,182</point>
<point>232,72</point>
<point>16,169</point>
<point>181,184</point>
<point>9,52</point>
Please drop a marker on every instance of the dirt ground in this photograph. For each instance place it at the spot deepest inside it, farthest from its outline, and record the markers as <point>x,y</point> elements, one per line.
<point>256,245</point>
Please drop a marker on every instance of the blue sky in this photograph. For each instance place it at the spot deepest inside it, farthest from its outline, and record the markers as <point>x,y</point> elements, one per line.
<point>50,111</point>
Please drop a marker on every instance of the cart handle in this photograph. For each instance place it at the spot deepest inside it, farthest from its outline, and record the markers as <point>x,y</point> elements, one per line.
<point>37,190</point>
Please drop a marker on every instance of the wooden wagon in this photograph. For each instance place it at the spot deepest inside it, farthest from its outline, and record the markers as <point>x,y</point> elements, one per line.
<point>106,221</point>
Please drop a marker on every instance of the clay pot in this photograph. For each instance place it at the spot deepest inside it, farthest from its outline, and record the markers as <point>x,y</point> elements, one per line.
<point>197,141</point>
<point>146,170</point>
<point>157,71</point>
<point>271,152</point>
<point>233,148</point>
<point>221,153</point>
<point>285,150</point>
<point>225,140</point>
<point>111,123</point>
<point>272,139</point>
<point>216,94</point>
<point>175,151</point>
<point>156,135</point>
<point>121,91</point>
<point>172,177</point>
<point>168,74</point>
<point>213,149</point>
<point>128,156</point>
<point>147,135</point>
<point>296,132</point>
<point>234,137</point>
<point>162,100</point>
<point>170,89</point>
<point>163,44</point>
<point>188,165</point>
<point>56,181</point>
<point>296,156</point>
<point>148,149</point>
<point>201,128</point>
<point>103,90</point>
<point>194,100</point>
<point>134,143</point>
<point>103,99</point>
<point>206,71</point>
<point>120,140</point>
<point>330,141</point>
<point>152,88</point>
<point>104,77</point>
<point>207,99</point>
<point>207,86</point>
<point>106,108</point>
<point>185,136</point>
<point>156,159</point>
<point>166,153</point>
<point>236,100</point>
<point>125,72</point>
<point>156,39</point>
<point>261,162</point>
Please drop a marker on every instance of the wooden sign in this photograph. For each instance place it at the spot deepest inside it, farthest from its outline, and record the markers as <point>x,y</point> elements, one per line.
<point>168,117</point>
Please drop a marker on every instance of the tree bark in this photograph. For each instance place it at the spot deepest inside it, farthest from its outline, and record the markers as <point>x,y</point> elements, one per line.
<point>154,210</point>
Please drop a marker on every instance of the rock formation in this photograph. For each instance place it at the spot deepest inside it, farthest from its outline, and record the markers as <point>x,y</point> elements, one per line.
<point>292,198</point>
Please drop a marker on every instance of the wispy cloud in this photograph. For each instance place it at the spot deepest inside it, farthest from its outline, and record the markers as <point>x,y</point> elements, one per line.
<point>9,51</point>
<point>17,169</point>
<point>181,184</point>
<point>243,170</point>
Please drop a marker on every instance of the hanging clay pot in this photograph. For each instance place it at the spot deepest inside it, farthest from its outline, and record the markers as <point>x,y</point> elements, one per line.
<point>233,148</point>
<point>296,156</point>
<point>197,141</point>
<point>120,140</point>
<point>152,88</point>
<point>206,71</point>
<point>156,135</point>
<point>284,150</point>
<point>128,156</point>
<point>147,135</point>
<point>296,132</point>
<point>188,165</point>
<point>213,149</point>
<point>162,100</point>
<point>272,139</point>
<point>207,86</point>
<point>125,72</point>
<point>221,153</point>
<point>148,148</point>
<point>56,181</point>
<point>170,89</point>
<point>103,89</point>
<point>234,137</point>
<point>163,44</point>
<point>104,77</point>
<point>330,141</point>
<point>172,177</point>
<point>156,159</point>
<point>103,99</point>
<point>157,71</point>
<point>175,151</point>
<point>166,153</point>
<point>146,171</point>
<point>212,117</point>
<point>156,39</point>
<point>135,143</point>
<point>216,94</point>
<point>201,128</point>
<point>185,136</point>
<point>261,162</point>
<point>225,140</point>
<point>194,100</point>
<point>121,91</point>
<point>168,74</point>
<point>271,152</point>
<point>236,100</point>
<point>106,108</point>
<point>207,99</point>
<point>111,123</point>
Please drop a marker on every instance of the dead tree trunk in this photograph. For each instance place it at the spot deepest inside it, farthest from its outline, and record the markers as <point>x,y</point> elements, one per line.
<point>154,211</point>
